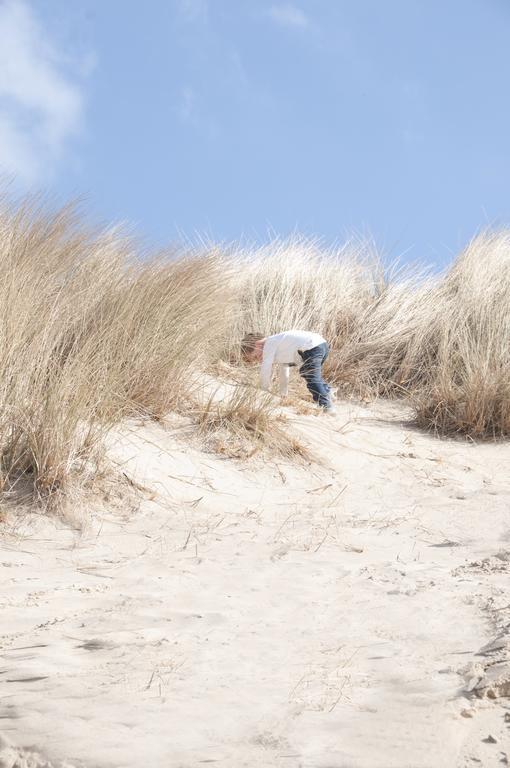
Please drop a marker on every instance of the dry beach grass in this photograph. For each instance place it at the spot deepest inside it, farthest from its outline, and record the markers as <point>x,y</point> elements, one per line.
<point>91,334</point>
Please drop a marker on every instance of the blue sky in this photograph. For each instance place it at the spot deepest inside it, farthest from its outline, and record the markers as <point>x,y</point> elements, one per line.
<point>240,118</point>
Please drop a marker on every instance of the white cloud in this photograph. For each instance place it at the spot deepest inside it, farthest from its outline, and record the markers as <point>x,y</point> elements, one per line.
<point>288,15</point>
<point>40,108</point>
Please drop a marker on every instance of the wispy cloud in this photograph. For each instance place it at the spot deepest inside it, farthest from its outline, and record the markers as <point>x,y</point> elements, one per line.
<point>40,107</point>
<point>288,15</point>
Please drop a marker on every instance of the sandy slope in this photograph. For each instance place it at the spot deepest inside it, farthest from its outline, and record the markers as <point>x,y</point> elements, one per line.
<point>259,614</point>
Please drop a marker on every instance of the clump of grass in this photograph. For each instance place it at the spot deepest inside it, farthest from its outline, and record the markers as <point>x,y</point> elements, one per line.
<point>89,334</point>
<point>246,421</point>
<point>390,351</point>
<point>161,328</point>
<point>47,403</point>
<point>467,389</point>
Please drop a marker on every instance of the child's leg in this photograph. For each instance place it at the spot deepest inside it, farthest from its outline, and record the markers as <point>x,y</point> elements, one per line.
<point>311,371</point>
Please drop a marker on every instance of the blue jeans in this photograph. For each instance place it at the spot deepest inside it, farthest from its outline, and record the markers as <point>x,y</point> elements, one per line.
<point>311,371</point>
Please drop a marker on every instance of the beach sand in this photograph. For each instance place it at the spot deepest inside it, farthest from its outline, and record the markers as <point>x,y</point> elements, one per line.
<point>351,612</point>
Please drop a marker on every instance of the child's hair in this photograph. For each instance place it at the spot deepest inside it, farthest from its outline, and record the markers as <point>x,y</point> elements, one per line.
<point>248,343</point>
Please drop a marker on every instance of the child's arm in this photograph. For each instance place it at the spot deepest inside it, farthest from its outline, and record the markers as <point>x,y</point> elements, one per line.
<point>284,380</point>
<point>267,367</point>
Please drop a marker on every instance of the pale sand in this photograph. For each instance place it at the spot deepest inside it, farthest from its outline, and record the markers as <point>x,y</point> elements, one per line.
<point>257,614</point>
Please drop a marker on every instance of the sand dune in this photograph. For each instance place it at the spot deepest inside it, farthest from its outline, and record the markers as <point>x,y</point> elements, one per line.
<point>348,613</point>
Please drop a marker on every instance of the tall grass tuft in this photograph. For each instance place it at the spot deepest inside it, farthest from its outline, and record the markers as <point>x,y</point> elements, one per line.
<point>88,335</point>
<point>246,421</point>
<point>390,351</point>
<point>467,389</point>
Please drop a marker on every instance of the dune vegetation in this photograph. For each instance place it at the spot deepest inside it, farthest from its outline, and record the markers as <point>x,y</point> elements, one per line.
<point>94,331</point>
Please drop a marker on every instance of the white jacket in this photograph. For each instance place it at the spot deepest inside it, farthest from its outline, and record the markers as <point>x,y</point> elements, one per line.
<point>283,349</point>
